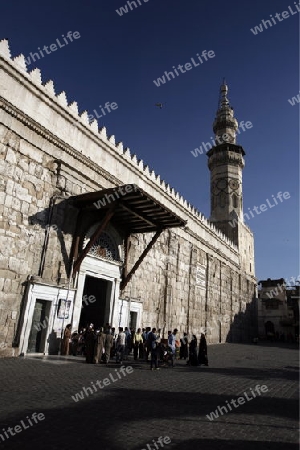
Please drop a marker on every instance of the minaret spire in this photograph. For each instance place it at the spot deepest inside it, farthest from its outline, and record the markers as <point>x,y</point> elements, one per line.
<point>225,124</point>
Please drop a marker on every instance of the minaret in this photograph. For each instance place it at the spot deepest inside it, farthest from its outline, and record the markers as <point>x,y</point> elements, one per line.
<point>226,163</point>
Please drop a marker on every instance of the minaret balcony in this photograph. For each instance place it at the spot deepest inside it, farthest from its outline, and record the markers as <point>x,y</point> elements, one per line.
<point>226,147</point>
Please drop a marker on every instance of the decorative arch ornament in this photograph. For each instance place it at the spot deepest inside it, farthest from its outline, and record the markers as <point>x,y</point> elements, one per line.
<point>108,246</point>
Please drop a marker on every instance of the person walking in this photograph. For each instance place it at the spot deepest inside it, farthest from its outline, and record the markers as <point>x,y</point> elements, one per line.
<point>184,346</point>
<point>109,342</point>
<point>121,342</point>
<point>202,355</point>
<point>193,359</point>
<point>177,346</point>
<point>90,340</point>
<point>74,339</point>
<point>81,344</point>
<point>171,344</point>
<point>99,346</point>
<point>66,340</point>
<point>152,337</point>
<point>147,346</point>
<point>137,345</point>
<point>128,342</point>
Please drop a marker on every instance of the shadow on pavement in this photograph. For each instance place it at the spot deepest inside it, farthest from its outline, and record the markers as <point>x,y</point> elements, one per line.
<point>122,418</point>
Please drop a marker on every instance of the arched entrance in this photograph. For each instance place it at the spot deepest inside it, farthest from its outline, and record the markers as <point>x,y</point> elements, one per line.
<point>99,279</point>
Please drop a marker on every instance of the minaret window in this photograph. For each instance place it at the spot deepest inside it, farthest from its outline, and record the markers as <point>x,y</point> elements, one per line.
<point>222,199</point>
<point>235,201</point>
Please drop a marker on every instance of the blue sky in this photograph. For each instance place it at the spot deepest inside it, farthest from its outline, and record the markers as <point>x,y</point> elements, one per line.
<point>117,58</point>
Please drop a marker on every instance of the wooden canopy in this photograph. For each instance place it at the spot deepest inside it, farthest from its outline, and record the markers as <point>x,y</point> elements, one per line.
<point>134,210</point>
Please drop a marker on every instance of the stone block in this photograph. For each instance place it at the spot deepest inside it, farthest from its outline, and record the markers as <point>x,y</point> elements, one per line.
<point>13,230</point>
<point>31,188</point>
<point>23,164</point>
<point>3,149</point>
<point>39,170</point>
<point>48,177</point>
<point>31,168</point>
<point>7,285</point>
<point>14,264</point>
<point>40,195</point>
<point>10,170</point>
<point>9,187</point>
<point>11,156</point>
<point>7,274</point>
<point>16,204</point>
<point>8,201</point>
<point>25,207</point>
<point>22,194</point>
<point>30,151</point>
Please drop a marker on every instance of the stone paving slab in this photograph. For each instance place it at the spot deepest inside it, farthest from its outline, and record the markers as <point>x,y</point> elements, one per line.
<point>141,406</point>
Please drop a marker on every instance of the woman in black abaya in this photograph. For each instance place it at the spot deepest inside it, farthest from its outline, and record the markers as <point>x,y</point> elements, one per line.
<point>202,355</point>
<point>193,360</point>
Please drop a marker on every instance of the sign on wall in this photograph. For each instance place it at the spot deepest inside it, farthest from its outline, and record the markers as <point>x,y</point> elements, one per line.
<point>63,308</point>
<point>201,276</point>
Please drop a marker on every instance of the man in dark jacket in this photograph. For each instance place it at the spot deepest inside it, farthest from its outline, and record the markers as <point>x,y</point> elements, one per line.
<point>90,340</point>
<point>152,344</point>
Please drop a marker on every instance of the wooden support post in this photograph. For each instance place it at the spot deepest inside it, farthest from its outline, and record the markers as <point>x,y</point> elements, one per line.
<point>126,279</point>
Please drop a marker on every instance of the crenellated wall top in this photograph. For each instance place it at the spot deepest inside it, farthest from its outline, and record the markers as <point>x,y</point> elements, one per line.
<point>62,117</point>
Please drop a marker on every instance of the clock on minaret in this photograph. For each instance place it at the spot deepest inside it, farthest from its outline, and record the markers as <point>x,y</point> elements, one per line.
<point>234,184</point>
<point>222,183</point>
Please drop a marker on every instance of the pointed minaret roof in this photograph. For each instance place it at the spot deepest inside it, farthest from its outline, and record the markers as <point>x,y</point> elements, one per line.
<point>225,124</point>
<point>223,100</point>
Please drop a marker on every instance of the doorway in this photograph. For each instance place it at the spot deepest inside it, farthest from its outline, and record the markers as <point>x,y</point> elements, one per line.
<point>39,327</point>
<point>133,319</point>
<point>95,302</point>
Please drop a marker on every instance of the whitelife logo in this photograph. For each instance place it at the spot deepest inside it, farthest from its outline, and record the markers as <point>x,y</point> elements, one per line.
<point>124,9</point>
<point>219,139</point>
<point>53,47</point>
<point>281,287</point>
<point>188,66</point>
<point>102,383</point>
<point>262,208</point>
<point>294,100</point>
<point>108,106</point>
<point>266,23</point>
<point>241,401</point>
<point>161,441</point>
<point>109,198</point>
<point>35,417</point>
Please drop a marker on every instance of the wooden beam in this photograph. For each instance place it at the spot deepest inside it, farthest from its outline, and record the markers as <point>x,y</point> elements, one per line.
<point>127,246</point>
<point>132,211</point>
<point>76,240</point>
<point>126,279</point>
<point>103,224</point>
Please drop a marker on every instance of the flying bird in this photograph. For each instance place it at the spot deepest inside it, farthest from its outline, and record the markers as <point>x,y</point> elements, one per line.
<point>159,105</point>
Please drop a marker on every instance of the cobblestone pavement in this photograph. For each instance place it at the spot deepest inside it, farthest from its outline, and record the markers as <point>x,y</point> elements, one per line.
<point>141,406</point>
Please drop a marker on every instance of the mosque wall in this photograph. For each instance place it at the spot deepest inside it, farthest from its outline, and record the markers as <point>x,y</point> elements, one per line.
<point>193,278</point>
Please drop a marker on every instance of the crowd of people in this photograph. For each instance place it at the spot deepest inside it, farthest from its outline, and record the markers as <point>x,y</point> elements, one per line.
<point>106,343</point>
